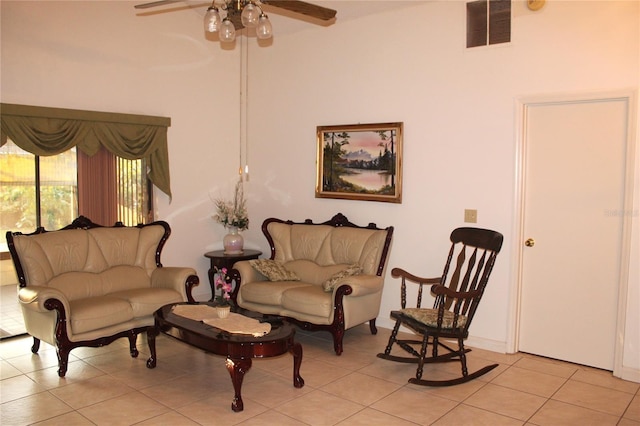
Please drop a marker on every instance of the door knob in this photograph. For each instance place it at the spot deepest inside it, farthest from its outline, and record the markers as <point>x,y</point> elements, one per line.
<point>530,242</point>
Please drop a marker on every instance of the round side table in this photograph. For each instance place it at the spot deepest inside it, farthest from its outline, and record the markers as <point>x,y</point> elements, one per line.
<point>221,260</point>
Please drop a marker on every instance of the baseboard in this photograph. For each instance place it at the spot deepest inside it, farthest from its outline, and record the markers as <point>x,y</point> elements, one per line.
<point>385,323</point>
<point>630,374</point>
<point>486,344</point>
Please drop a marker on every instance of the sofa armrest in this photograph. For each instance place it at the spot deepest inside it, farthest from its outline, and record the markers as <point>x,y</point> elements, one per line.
<point>34,297</point>
<point>248,273</point>
<point>243,273</point>
<point>177,278</point>
<point>361,285</point>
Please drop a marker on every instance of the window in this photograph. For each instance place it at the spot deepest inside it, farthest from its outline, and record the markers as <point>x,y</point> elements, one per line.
<point>51,191</point>
<point>36,191</point>
<point>59,163</point>
<point>134,192</point>
<point>488,22</point>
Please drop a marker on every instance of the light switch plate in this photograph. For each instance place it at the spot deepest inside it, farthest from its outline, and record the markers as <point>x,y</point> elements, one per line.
<point>471,216</point>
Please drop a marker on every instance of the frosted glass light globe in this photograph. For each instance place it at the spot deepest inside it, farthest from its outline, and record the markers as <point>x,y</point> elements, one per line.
<point>227,31</point>
<point>250,15</point>
<point>264,30</point>
<point>212,20</point>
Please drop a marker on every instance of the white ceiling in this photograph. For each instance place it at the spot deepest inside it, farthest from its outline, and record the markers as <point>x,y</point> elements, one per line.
<point>286,22</point>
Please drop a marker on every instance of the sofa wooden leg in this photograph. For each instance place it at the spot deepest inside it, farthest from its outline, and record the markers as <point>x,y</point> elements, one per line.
<point>36,345</point>
<point>337,341</point>
<point>372,326</point>
<point>132,335</point>
<point>152,332</point>
<point>63,361</point>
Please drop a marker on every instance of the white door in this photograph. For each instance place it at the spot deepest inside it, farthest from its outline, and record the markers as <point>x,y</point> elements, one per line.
<point>574,175</point>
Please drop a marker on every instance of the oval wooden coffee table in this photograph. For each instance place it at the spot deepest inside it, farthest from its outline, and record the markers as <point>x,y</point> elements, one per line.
<point>239,349</point>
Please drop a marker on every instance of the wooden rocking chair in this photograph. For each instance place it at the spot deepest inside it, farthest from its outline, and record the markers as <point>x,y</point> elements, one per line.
<point>471,258</point>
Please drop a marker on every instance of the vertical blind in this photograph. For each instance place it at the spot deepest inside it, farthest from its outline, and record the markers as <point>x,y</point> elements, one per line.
<point>97,186</point>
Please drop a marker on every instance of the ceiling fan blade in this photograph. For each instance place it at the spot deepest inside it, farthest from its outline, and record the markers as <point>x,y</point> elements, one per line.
<point>155,4</point>
<point>303,8</point>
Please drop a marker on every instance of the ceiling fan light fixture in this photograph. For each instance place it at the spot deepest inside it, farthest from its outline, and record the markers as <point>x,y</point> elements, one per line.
<point>263,29</point>
<point>212,20</point>
<point>222,14</point>
<point>250,14</point>
<point>227,31</point>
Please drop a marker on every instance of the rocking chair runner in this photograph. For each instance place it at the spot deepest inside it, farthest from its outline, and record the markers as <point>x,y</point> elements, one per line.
<point>472,256</point>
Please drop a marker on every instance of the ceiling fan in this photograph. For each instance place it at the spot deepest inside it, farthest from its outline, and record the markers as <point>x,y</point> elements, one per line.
<point>248,13</point>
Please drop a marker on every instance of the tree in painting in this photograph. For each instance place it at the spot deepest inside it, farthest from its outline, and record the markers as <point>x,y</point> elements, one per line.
<point>333,159</point>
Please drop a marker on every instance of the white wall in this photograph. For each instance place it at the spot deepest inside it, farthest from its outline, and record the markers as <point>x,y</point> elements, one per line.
<point>458,109</point>
<point>409,65</point>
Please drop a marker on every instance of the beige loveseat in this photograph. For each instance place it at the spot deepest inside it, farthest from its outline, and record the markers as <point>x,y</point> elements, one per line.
<point>326,276</point>
<point>87,285</point>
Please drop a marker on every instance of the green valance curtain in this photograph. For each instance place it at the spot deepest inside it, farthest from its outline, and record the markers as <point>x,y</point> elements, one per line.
<point>49,131</point>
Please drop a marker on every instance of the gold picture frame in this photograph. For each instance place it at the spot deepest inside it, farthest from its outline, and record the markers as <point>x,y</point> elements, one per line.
<point>360,162</point>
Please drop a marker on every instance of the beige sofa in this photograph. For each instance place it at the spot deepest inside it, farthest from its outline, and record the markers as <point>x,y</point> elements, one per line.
<point>88,285</point>
<point>327,276</point>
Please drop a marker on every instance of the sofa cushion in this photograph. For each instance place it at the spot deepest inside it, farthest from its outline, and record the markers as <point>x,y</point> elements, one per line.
<point>273,270</point>
<point>145,301</point>
<point>349,271</point>
<point>93,313</point>
<point>266,292</point>
<point>129,245</point>
<point>78,285</point>
<point>329,245</point>
<point>310,300</point>
<point>312,273</point>
<point>124,277</point>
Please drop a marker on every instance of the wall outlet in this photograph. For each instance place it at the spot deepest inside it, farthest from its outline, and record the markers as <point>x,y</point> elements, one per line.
<point>471,216</point>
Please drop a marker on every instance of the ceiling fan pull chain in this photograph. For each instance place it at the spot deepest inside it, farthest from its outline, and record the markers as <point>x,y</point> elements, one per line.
<point>246,108</point>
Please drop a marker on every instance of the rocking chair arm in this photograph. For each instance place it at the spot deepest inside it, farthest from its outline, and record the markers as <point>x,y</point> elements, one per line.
<point>440,290</point>
<point>399,272</point>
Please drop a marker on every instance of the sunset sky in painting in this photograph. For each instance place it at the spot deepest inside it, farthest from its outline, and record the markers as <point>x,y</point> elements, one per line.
<point>367,141</point>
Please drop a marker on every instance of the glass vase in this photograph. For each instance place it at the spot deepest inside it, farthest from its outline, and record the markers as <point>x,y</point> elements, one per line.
<point>233,242</point>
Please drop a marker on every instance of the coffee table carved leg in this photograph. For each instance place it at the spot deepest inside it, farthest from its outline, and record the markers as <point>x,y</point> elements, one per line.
<point>152,332</point>
<point>296,351</point>
<point>237,369</point>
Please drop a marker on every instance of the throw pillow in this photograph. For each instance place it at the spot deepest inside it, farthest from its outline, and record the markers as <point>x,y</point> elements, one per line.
<point>351,270</point>
<point>273,270</point>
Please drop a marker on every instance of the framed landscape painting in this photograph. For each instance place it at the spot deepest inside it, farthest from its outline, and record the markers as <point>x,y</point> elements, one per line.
<point>360,162</point>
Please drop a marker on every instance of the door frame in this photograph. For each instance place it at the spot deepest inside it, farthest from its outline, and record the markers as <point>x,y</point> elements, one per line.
<point>521,107</point>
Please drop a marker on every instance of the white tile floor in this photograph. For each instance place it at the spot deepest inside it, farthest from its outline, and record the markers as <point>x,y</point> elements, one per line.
<point>11,322</point>
<point>104,386</point>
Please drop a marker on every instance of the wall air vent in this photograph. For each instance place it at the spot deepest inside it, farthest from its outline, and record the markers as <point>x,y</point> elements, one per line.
<point>488,22</point>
